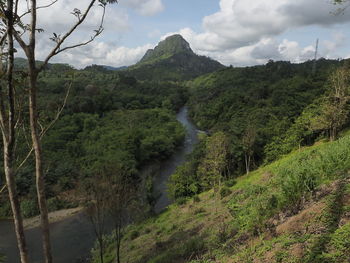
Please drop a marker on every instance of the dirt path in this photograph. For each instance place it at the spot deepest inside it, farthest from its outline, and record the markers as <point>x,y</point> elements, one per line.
<point>55,216</point>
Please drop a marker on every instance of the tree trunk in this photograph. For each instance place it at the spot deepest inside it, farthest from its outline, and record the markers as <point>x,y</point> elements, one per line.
<point>9,137</point>
<point>15,206</point>
<point>247,163</point>
<point>39,171</point>
<point>118,241</point>
<point>100,241</point>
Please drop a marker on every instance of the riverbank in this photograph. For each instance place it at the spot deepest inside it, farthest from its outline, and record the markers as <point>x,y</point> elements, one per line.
<point>72,231</point>
<point>54,217</point>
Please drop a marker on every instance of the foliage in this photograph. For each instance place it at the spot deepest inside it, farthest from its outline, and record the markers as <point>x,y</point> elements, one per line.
<point>339,246</point>
<point>264,102</point>
<point>107,115</point>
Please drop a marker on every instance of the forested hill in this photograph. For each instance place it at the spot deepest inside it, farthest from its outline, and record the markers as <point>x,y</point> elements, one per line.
<point>172,59</point>
<point>261,101</point>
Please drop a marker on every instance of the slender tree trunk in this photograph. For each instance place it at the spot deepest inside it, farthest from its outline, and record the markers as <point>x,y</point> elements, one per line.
<point>15,206</point>
<point>33,117</point>
<point>9,136</point>
<point>39,171</point>
<point>100,240</point>
<point>118,241</point>
<point>247,162</point>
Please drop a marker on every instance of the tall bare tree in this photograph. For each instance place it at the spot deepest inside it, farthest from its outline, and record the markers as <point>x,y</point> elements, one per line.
<point>13,27</point>
<point>248,141</point>
<point>122,204</point>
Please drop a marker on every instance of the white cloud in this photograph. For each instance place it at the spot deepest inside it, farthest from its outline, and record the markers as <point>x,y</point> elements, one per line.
<point>145,7</point>
<point>244,32</point>
<point>331,46</point>
<point>103,53</point>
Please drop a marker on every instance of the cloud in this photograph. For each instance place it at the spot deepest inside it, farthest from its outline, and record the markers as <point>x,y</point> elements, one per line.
<point>244,32</point>
<point>242,22</point>
<point>145,7</point>
<point>58,19</point>
<point>103,53</point>
<point>330,47</point>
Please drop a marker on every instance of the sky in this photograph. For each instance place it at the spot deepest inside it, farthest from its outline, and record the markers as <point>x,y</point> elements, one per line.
<point>234,32</point>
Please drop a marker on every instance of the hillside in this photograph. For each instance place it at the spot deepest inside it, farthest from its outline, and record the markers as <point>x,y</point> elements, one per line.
<point>172,59</point>
<point>294,210</point>
<point>292,205</point>
<point>263,101</point>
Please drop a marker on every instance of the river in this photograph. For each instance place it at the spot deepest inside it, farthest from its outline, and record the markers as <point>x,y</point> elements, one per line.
<point>73,238</point>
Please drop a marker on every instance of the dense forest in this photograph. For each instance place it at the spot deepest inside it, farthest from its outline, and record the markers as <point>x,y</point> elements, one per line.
<point>134,120</point>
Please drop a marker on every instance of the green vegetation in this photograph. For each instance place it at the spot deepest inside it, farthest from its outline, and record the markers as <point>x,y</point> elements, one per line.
<point>293,210</point>
<point>107,117</point>
<point>263,109</point>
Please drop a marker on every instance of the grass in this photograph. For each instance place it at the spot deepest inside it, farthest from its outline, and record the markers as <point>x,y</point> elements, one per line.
<point>237,227</point>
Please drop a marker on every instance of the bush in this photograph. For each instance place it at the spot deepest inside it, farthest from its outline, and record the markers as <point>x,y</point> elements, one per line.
<point>181,201</point>
<point>29,208</point>
<point>196,199</point>
<point>194,246</point>
<point>54,204</point>
<point>225,191</point>
<point>134,234</point>
<point>5,209</point>
<point>230,182</point>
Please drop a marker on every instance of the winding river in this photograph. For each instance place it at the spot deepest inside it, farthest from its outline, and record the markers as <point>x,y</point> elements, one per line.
<point>73,238</point>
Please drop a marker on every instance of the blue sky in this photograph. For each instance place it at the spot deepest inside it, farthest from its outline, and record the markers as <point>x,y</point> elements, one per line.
<point>234,32</point>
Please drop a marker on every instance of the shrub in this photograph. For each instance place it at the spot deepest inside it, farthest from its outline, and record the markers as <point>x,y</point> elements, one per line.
<point>29,208</point>
<point>181,201</point>
<point>230,182</point>
<point>196,199</point>
<point>192,247</point>
<point>225,191</point>
<point>134,234</point>
<point>5,209</point>
<point>54,204</point>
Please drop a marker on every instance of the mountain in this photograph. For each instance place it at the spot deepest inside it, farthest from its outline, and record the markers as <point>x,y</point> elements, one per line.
<point>170,46</point>
<point>173,59</point>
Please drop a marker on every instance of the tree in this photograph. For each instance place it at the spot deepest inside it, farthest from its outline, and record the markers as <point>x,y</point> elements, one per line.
<point>344,4</point>
<point>334,109</point>
<point>122,204</point>
<point>111,193</point>
<point>13,27</point>
<point>248,141</point>
<point>8,120</point>
<point>96,189</point>
<point>215,160</point>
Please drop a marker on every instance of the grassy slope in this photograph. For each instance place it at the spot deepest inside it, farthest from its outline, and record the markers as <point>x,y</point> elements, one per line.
<point>294,210</point>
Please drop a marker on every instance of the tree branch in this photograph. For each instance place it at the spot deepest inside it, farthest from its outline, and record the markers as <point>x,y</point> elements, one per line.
<point>61,41</point>
<point>97,33</point>
<point>44,131</point>
<point>58,113</point>
<point>3,189</point>
<point>37,8</point>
